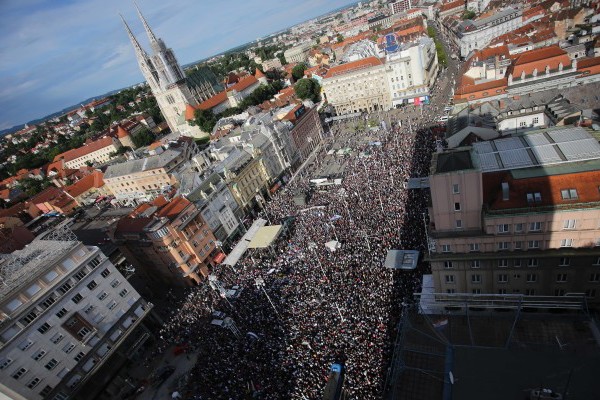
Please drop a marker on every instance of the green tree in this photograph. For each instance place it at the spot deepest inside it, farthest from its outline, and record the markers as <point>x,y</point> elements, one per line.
<point>205,119</point>
<point>31,186</point>
<point>468,14</point>
<point>298,71</point>
<point>308,89</point>
<point>143,138</point>
<point>340,38</point>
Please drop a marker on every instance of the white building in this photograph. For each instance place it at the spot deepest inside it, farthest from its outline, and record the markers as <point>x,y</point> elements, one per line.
<point>64,309</point>
<point>411,70</point>
<point>475,35</point>
<point>298,54</point>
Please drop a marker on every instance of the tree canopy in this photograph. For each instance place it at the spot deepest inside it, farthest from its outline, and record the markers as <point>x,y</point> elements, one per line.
<point>308,89</point>
<point>298,71</point>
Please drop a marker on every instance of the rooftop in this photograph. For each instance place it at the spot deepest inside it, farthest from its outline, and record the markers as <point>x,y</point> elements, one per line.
<point>143,164</point>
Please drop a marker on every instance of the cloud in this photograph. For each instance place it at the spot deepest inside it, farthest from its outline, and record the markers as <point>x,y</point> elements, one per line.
<point>55,53</point>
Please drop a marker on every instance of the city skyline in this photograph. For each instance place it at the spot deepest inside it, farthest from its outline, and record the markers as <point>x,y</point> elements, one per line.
<point>44,67</point>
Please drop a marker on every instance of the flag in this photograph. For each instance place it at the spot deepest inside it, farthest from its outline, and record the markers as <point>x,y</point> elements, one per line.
<point>335,217</point>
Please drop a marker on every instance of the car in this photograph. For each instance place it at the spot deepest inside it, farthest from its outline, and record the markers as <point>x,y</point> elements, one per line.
<point>448,108</point>
<point>443,118</point>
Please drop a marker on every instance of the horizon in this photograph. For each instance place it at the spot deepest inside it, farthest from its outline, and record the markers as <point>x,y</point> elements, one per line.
<point>42,70</point>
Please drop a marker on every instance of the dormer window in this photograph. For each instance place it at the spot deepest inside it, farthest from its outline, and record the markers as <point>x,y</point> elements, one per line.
<point>569,194</point>
<point>535,197</point>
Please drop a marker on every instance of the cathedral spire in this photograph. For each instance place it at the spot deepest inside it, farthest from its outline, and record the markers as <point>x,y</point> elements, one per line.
<point>139,51</point>
<point>149,32</point>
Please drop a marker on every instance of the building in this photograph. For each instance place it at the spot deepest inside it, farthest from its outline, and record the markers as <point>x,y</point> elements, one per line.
<point>64,310</point>
<point>518,215</point>
<point>411,70</point>
<point>400,6</point>
<point>86,190</point>
<point>274,63</point>
<point>359,86</point>
<point>234,93</point>
<point>167,81</point>
<point>307,131</point>
<point>471,35</point>
<point>143,179</point>
<point>297,54</point>
<point>168,242</point>
<point>93,152</point>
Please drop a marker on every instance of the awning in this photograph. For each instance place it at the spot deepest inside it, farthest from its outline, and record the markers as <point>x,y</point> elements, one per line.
<point>219,258</point>
<point>241,247</point>
<point>265,236</point>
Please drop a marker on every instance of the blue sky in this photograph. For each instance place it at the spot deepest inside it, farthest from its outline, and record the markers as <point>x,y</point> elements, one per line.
<point>54,53</point>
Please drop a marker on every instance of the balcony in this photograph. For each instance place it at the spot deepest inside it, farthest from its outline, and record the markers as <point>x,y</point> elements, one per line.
<point>192,269</point>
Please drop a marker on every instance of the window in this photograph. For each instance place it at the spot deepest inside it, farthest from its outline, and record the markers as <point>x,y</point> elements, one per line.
<point>568,194</point>
<point>518,245</point>
<point>19,373</point>
<point>449,278</point>
<point>450,291</point>
<point>102,296</point>
<point>123,292</point>
<point>595,277</point>
<point>503,228</point>
<point>590,293</point>
<point>89,309</point>
<point>531,278</point>
<point>83,332</point>
<point>501,291</point>
<point>33,383</point>
<point>529,292</point>
<point>535,227</point>
<point>502,278</point>
<point>476,291</point>
<point>69,347</point>
<point>5,362</point>
<point>48,301</point>
<point>115,283</point>
<point>79,356</point>
<point>517,262</point>
<point>561,278</point>
<point>569,224</point>
<point>447,264</point>
<point>92,285</point>
<point>564,262</point>
<point>503,246</point>
<point>46,391</point>
<point>473,246</point>
<point>94,263</point>
<point>566,243</point>
<point>29,318</point>
<point>475,264</point>
<point>518,227</point>
<point>80,275</point>
<point>534,244</point>
<point>61,313</point>
<point>77,298</point>
<point>456,206</point>
<point>57,338</point>
<point>458,224</point>
<point>532,262</point>
<point>44,328</point>
<point>445,248</point>
<point>51,364</point>
<point>522,124</point>
<point>503,263</point>
<point>112,305</point>
<point>64,288</point>
<point>535,197</point>
<point>476,278</point>
<point>559,292</point>
<point>536,120</point>
<point>38,355</point>
<point>25,344</point>
<point>597,261</point>
<point>105,273</point>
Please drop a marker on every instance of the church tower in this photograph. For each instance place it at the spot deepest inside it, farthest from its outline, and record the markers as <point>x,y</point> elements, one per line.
<point>166,79</point>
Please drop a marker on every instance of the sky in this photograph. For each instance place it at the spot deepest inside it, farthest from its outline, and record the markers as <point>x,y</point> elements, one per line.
<point>55,53</point>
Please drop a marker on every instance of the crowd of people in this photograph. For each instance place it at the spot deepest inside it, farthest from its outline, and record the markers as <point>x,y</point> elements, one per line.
<point>319,304</point>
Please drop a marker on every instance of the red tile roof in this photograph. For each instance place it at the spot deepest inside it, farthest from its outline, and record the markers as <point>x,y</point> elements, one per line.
<point>220,97</point>
<point>528,61</point>
<point>86,183</point>
<point>121,132</point>
<point>85,149</point>
<point>173,208</point>
<point>189,112</point>
<point>588,62</point>
<point>451,5</point>
<point>353,66</point>
<point>258,74</point>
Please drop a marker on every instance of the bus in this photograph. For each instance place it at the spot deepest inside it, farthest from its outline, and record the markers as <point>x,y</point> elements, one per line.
<point>335,383</point>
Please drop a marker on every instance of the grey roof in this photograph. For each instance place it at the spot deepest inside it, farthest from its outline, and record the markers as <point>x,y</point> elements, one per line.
<point>214,179</point>
<point>144,164</point>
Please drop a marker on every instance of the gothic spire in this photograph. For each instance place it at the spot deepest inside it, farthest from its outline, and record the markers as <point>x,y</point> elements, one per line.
<point>139,51</point>
<point>149,32</point>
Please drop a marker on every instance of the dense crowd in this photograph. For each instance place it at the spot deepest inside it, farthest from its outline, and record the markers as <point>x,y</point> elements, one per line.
<point>319,306</point>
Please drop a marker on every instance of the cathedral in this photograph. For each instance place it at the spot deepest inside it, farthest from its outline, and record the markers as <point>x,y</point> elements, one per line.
<point>176,95</point>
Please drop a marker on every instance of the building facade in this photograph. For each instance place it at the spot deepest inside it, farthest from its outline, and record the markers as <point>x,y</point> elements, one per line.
<point>359,86</point>
<point>96,152</point>
<point>65,309</point>
<point>297,54</point>
<point>518,215</point>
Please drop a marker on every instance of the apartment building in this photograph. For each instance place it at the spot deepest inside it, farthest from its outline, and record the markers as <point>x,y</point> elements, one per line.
<point>297,54</point>
<point>518,215</point>
<point>358,86</point>
<point>95,152</point>
<point>168,242</point>
<point>143,179</point>
<point>64,310</point>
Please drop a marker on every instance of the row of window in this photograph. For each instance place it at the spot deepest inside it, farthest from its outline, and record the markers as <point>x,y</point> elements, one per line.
<point>590,293</point>
<point>530,278</point>
<point>531,262</point>
<point>531,244</point>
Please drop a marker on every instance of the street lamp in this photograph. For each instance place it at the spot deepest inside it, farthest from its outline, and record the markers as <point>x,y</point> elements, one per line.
<point>260,283</point>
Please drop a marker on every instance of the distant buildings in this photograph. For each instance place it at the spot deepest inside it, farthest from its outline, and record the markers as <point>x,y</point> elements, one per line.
<point>64,310</point>
<point>401,6</point>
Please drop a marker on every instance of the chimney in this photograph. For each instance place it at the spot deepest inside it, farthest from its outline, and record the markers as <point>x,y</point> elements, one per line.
<point>505,195</point>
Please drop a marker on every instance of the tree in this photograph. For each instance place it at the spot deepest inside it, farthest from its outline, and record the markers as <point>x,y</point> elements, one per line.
<point>468,14</point>
<point>340,38</point>
<point>308,89</point>
<point>298,71</point>
<point>143,138</point>
<point>205,119</point>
